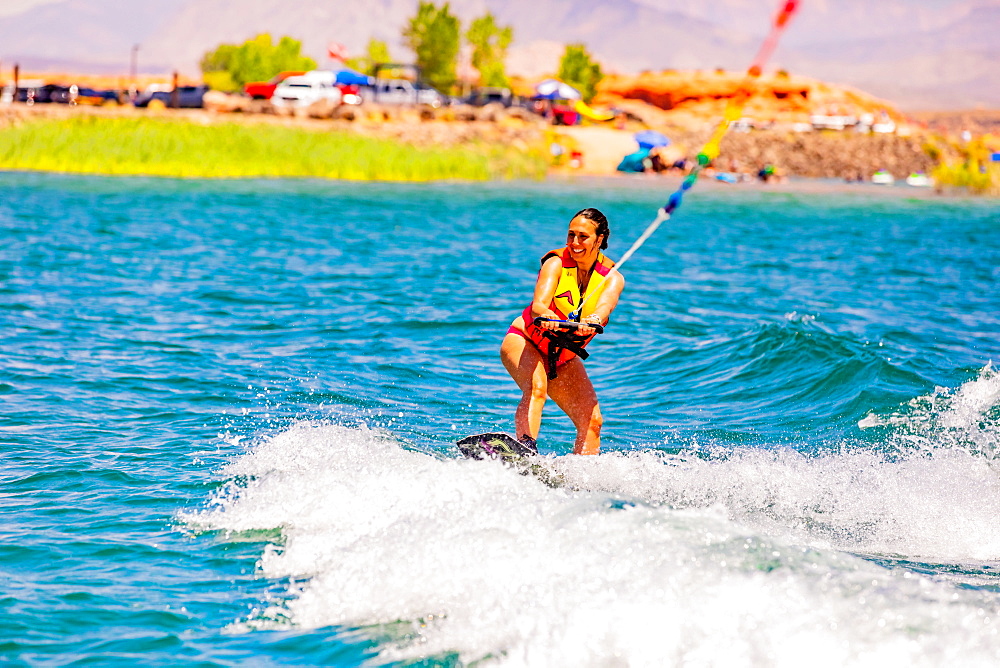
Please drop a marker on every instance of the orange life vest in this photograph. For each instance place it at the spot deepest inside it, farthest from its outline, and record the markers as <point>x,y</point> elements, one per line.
<point>559,347</point>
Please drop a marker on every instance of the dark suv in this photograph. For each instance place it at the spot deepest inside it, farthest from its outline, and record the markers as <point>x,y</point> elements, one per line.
<point>483,96</point>
<point>188,97</point>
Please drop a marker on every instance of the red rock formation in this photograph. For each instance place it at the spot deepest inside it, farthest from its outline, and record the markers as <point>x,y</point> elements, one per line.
<point>776,97</point>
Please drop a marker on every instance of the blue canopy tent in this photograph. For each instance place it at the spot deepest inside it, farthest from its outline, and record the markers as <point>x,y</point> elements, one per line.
<point>349,77</point>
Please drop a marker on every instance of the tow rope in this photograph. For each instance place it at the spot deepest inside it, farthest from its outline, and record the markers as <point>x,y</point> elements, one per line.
<point>710,151</point>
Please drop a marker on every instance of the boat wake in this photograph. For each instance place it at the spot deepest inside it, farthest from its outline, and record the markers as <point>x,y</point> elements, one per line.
<point>862,556</point>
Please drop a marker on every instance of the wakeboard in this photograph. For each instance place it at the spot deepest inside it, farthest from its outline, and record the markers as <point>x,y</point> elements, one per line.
<point>520,456</point>
<point>495,445</point>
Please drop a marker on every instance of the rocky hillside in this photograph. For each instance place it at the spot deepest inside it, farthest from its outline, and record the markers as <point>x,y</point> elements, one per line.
<point>692,97</point>
<point>688,105</point>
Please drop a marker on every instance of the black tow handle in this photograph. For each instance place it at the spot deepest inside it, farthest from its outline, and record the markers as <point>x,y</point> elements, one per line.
<point>570,325</point>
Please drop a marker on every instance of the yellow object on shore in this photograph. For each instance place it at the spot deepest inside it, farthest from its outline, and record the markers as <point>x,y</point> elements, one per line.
<point>589,112</point>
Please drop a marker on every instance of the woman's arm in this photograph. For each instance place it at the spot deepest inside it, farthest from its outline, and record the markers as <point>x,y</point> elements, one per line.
<point>608,300</point>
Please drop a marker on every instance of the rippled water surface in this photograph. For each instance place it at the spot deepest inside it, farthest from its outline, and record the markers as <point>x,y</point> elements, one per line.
<point>227,412</point>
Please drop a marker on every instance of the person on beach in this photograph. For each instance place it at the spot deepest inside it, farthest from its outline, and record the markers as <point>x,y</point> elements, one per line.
<point>546,360</point>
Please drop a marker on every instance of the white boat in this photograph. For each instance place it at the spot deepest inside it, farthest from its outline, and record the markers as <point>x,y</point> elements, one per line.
<point>920,180</point>
<point>883,178</point>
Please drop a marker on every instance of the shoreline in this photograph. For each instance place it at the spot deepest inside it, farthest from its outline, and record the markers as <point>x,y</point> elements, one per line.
<point>659,184</point>
<point>510,147</point>
<point>794,185</point>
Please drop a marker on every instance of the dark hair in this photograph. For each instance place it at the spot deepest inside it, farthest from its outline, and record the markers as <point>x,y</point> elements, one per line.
<point>599,219</point>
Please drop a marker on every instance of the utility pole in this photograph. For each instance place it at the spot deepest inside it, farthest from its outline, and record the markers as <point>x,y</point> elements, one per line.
<point>133,71</point>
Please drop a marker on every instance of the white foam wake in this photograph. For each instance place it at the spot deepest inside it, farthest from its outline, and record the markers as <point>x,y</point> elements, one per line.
<point>966,419</point>
<point>945,507</point>
<point>664,562</point>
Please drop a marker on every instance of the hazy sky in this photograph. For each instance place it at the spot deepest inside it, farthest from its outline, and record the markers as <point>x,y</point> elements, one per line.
<point>11,7</point>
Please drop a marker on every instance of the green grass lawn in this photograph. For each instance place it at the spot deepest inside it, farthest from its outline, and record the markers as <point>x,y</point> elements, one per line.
<point>184,148</point>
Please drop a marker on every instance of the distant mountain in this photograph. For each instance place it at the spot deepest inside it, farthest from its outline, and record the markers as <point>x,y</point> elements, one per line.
<point>916,53</point>
<point>84,32</point>
<point>820,21</point>
<point>953,66</point>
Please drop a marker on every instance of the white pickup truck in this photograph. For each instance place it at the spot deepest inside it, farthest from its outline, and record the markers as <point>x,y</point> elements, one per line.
<point>301,91</point>
<point>401,91</point>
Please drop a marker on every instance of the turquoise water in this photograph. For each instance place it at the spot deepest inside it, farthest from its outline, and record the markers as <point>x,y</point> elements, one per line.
<point>228,409</point>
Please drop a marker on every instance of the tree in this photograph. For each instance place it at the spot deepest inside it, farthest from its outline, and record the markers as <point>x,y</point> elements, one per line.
<point>577,69</point>
<point>256,59</point>
<point>433,35</point>
<point>489,49</point>
<point>214,68</point>
<point>377,52</point>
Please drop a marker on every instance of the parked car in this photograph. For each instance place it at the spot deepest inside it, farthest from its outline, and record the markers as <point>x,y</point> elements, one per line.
<point>487,95</point>
<point>37,94</point>
<point>188,97</point>
<point>95,97</point>
<point>62,94</point>
<point>76,95</point>
<point>263,90</point>
<point>401,91</point>
<point>301,91</point>
<point>350,93</point>
<point>430,96</point>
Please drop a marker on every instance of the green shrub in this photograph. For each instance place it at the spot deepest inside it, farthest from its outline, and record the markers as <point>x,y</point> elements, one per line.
<point>972,170</point>
<point>179,148</point>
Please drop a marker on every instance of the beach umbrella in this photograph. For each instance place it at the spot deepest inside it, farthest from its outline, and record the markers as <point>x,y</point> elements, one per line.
<point>553,89</point>
<point>351,77</point>
<point>651,139</point>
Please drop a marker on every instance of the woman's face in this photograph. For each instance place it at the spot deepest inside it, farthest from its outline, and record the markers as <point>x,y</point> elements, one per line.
<point>582,239</point>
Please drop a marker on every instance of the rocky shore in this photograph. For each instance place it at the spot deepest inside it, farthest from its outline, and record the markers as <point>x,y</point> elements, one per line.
<point>843,155</point>
<point>691,117</point>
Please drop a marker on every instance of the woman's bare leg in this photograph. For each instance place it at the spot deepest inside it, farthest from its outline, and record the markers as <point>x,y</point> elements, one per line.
<point>524,364</point>
<point>574,393</point>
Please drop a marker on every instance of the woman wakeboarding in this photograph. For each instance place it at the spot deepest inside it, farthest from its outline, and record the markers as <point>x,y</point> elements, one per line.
<point>543,351</point>
<point>576,291</point>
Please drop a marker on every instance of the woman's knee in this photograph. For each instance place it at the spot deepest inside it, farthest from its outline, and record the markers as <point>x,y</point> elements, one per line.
<point>539,389</point>
<point>592,421</point>
<point>596,420</point>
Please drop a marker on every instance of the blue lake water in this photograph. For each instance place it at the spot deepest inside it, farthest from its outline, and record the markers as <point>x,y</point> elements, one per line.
<point>227,412</point>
